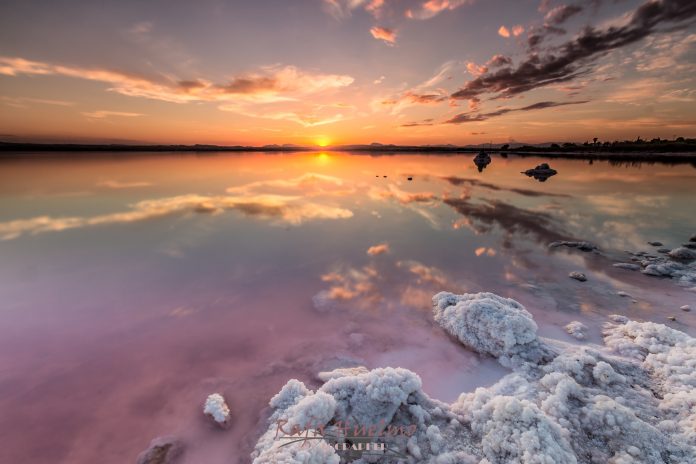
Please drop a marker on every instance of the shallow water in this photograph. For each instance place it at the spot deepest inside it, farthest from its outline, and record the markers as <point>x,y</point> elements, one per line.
<point>134,286</point>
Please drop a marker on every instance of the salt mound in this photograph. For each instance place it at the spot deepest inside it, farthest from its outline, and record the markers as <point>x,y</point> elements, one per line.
<point>216,408</point>
<point>576,329</point>
<point>633,400</point>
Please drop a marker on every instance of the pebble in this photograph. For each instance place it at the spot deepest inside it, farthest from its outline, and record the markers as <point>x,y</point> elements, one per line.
<point>623,294</point>
<point>578,276</point>
<point>655,243</point>
<point>663,250</point>
<point>685,308</point>
<point>671,318</point>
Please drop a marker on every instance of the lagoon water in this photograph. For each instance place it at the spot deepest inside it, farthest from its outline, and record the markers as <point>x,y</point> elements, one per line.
<point>134,285</point>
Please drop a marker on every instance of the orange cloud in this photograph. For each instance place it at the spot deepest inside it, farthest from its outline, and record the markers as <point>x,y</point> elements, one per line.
<point>504,32</point>
<point>517,30</point>
<point>101,114</point>
<point>385,34</point>
<point>275,83</point>
<point>432,8</point>
<point>378,249</point>
<point>475,69</point>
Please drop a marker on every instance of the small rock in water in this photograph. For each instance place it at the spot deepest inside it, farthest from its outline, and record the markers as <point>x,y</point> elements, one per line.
<point>410,178</point>
<point>693,238</point>
<point>623,294</point>
<point>216,408</point>
<point>618,318</point>
<point>162,450</point>
<point>578,276</point>
<point>541,172</point>
<point>685,308</point>
<point>682,253</point>
<point>655,243</point>
<point>663,250</point>
<point>691,245</point>
<point>671,318</point>
<point>627,266</point>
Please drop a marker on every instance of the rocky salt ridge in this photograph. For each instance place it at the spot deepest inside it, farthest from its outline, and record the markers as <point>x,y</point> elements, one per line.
<point>630,401</point>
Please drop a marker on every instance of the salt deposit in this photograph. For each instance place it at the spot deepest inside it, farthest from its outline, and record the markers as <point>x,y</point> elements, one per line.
<point>216,408</point>
<point>632,400</point>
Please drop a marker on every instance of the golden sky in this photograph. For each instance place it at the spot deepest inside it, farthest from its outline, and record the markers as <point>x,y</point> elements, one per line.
<point>327,72</point>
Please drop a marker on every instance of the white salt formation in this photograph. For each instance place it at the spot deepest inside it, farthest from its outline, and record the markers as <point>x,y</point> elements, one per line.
<point>632,401</point>
<point>577,329</point>
<point>678,264</point>
<point>216,408</point>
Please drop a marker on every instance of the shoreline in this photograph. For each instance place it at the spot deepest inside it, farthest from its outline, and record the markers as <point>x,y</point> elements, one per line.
<point>7,150</point>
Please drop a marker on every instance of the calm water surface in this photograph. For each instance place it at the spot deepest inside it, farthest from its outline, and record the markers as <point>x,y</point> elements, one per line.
<point>131,287</point>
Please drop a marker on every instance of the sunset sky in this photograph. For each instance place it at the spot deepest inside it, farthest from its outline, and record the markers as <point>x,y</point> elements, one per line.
<point>325,72</point>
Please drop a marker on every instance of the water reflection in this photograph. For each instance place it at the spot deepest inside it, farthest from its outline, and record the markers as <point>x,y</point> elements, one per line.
<point>133,287</point>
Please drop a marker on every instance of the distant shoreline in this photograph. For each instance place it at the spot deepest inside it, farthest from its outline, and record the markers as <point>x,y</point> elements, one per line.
<point>685,154</point>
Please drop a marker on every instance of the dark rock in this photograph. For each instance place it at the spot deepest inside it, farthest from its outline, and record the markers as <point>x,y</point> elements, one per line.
<point>663,250</point>
<point>162,450</point>
<point>693,238</point>
<point>482,160</point>
<point>578,276</point>
<point>655,243</point>
<point>541,172</point>
<point>627,266</point>
<point>691,245</point>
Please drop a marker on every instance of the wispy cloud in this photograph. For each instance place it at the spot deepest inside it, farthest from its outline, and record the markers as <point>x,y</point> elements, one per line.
<point>23,102</point>
<point>272,83</point>
<point>474,116</point>
<point>241,94</point>
<point>102,114</point>
<point>431,8</point>
<point>385,34</point>
<point>115,184</point>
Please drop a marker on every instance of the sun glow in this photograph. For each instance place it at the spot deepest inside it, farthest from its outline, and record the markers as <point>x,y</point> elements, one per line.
<point>323,142</point>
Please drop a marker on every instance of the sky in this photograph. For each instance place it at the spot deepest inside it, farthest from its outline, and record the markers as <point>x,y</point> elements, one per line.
<point>329,72</point>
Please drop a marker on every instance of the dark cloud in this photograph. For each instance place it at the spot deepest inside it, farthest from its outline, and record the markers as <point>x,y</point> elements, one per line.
<point>457,181</point>
<point>250,85</point>
<point>425,122</point>
<point>471,116</point>
<point>499,60</point>
<point>191,85</point>
<point>511,219</point>
<point>574,58</point>
<point>562,13</point>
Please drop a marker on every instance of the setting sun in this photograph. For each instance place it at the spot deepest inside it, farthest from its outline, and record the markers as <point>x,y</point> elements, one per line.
<point>323,142</point>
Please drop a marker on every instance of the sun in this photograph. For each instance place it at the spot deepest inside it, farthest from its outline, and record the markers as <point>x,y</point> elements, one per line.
<point>323,141</point>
